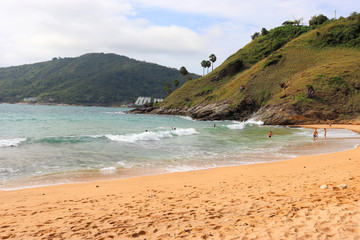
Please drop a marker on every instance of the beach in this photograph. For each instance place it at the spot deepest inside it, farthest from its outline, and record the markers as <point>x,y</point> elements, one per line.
<point>308,197</point>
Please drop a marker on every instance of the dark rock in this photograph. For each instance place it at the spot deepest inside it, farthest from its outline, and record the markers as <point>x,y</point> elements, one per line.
<point>310,91</point>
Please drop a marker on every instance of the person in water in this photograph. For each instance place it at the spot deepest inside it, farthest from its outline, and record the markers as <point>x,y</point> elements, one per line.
<point>315,134</point>
<point>270,134</point>
<point>325,133</point>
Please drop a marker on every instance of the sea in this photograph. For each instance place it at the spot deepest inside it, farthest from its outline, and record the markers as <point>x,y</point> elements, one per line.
<point>43,145</point>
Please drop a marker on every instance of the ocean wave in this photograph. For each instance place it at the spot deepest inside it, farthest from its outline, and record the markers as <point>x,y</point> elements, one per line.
<point>11,142</point>
<point>332,133</point>
<point>116,113</point>
<point>252,121</point>
<point>69,139</point>
<point>108,170</point>
<point>187,118</point>
<point>239,125</point>
<point>8,171</point>
<point>151,136</point>
<point>242,125</point>
<point>339,133</point>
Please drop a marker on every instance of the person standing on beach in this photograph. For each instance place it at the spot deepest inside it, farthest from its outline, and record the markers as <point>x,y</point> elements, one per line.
<point>315,134</point>
<point>325,133</point>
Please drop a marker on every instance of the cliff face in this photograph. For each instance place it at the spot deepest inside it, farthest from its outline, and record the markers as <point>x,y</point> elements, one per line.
<point>309,76</point>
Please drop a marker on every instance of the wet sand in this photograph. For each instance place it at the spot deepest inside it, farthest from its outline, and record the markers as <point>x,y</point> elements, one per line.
<point>310,197</point>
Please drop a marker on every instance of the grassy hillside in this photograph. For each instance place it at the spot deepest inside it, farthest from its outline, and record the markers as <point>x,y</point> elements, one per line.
<point>92,79</point>
<point>314,70</point>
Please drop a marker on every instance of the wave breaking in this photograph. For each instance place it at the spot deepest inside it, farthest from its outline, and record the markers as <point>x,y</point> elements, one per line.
<point>151,136</point>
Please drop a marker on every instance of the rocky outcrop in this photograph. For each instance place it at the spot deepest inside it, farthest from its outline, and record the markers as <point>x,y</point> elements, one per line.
<point>214,111</point>
<point>282,114</point>
<point>292,114</point>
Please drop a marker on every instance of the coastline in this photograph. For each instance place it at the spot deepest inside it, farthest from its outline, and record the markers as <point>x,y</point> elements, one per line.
<point>276,200</point>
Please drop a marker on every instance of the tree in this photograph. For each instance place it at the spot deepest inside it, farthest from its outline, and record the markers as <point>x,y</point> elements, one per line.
<point>255,35</point>
<point>176,83</point>
<point>264,31</point>
<point>212,59</point>
<point>183,71</point>
<point>203,64</point>
<point>167,88</point>
<point>318,20</point>
<point>208,65</point>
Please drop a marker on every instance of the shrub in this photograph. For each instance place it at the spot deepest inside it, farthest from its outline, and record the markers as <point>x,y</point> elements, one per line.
<point>274,59</point>
<point>234,67</point>
<point>208,89</point>
<point>190,104</point>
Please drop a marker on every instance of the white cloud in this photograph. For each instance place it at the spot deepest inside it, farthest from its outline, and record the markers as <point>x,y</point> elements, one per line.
<point>37,30</point>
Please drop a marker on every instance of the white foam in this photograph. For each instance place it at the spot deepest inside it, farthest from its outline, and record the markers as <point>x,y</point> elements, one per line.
<point>108,170</point>
<point>242,125</point>
<point>184,131</point>
<point>332,133</point>
<point>339,133</point>
<point>8,170</point>
<point>94,136</point>
<point>187,118</point>
<point>151,136</point>
<point>117,113</point>
<point>255,122</point>
<point>239,125</point>
<point>11,142</point>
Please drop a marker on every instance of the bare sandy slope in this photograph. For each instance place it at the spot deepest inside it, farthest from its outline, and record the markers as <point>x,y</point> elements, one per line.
<point>279,200</point>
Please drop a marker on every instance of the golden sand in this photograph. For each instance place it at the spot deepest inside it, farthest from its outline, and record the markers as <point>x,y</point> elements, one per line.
<point>312,197</point>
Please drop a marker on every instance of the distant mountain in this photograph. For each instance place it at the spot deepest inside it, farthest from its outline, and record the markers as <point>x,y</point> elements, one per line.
<point>289,75</point>
<point>91,79</point>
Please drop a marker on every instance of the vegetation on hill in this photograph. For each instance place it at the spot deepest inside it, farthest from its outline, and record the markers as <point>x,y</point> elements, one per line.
<point>91,79</point>
<point>312,72</point>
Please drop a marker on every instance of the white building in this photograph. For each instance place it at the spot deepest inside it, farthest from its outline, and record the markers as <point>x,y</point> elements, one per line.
<point>30,99</point>
<point>143,100</point>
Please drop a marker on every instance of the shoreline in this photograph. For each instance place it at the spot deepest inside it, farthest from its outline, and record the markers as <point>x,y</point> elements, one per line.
<point>69,105</point>
<point>87,176</point>
<point>275,200</point>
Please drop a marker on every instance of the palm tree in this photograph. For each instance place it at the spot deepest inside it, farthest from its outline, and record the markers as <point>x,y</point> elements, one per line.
<point>212,59</point>
<point>208,65</point>
<point>204,65</point>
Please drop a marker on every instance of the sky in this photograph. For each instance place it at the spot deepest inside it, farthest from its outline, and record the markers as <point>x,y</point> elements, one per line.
<point>172,33</point>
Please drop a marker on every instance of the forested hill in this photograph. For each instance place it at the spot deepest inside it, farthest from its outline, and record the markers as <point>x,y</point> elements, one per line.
<point>291,74</point>
<point>91,79</point>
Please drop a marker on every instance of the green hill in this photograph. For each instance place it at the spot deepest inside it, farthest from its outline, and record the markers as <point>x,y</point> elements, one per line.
<point>91,79</point>
<point>293,74</point>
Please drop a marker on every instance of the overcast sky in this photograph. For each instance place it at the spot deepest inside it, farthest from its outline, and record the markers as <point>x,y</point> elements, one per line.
<point>167,32</point>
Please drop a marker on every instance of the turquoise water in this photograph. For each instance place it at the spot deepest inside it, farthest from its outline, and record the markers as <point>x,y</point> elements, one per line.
<point>45,145</point>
